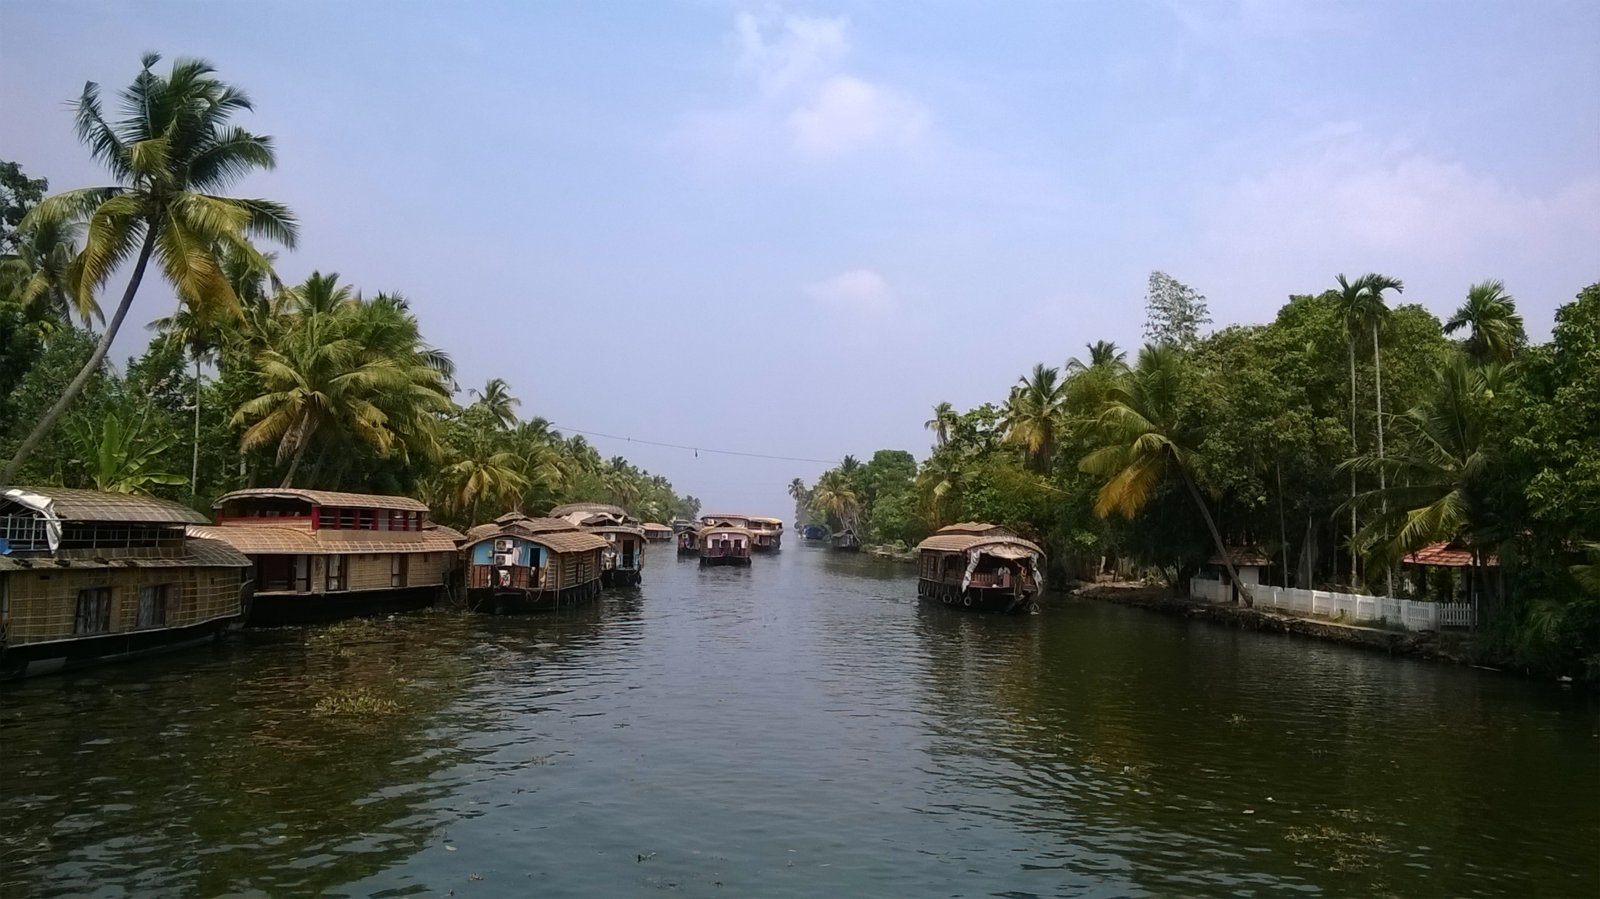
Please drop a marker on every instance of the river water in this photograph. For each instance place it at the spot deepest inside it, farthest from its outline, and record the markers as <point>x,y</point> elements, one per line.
<point>800,728</point>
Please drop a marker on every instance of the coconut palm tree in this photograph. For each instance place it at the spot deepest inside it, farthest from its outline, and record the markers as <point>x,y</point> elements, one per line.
<point>1144,443</point>
<point>35,274</point>
<point>802,499</point>
<point>837,498</point>
<point>1491,313</point>
<point>1033,415</point>
<point>170,157</point>
<point>496,399</point>
<point>1102,354</point>
<point>943,420</point>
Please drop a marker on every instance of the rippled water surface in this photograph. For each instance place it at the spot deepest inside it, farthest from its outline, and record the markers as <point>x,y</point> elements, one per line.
<point>800,728</point>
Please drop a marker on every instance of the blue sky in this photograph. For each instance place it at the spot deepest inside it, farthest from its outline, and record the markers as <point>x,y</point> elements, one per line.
<point>793,229</point>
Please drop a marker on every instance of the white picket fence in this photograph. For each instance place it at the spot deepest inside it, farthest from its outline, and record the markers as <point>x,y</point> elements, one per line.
<point>1413,615</point>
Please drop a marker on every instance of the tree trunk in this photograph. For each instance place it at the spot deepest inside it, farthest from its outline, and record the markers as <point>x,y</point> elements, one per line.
<point>1377,374</point>
<point>1216,537</point>
<point>299,453</point>
<point>48,423</point>
<point>1355,447</point>
<point>1283,527</point>
<point>194,467</point>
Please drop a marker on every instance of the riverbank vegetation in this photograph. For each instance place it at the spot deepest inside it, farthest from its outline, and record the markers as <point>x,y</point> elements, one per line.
<point>1346,433</point>
<point>250,381</point>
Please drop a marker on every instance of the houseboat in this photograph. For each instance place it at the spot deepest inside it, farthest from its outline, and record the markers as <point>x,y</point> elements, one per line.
<point>521,564</point>
<point>815,533</point>
<point>689,543</point>
<point>725,521</point>
<point>90,577</point>
<point>846,541</point>
<point>679,525</point>
<point>656,532</point>
<point>768,533</point>
<point>622,564</point>
<point>724,545</point>
<point>983,567</point>
<point>322,556</point>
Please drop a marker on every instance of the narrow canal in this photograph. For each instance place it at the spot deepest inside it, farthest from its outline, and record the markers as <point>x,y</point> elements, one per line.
<point>801,728</point>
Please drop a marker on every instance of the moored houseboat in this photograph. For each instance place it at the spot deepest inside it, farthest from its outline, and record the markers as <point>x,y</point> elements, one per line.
<point>679,525</point>
<point>622,563</point>
<point>321,555</point>
<point>816,533</point>
<point>522,564</point>
<point>845,541</point>
<point>89,577</point>
<point>689,543</point>
<point>655,532</point>
<point>983,567</point>
<point>724,545</point>
<point>725,521</point>
<point>767,533</point>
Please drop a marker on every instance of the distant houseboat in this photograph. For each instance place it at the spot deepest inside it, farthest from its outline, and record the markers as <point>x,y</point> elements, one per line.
<point>983,567</point>
<point>622,563</point>
<point>90,577</point>
<point>725,521</point>
<point>768,533</point>
<point>679,525</point>
<point>815,532</point>
<point>656,532</point>
<point>322,556</point>
<point>723,545</point>
<point>521,564</point>
<point>689,543</point>
<point>846,541</point>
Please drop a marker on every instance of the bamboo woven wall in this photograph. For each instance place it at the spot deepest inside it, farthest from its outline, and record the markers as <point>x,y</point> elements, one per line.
<point>43,605</point>
<point>372,571</point>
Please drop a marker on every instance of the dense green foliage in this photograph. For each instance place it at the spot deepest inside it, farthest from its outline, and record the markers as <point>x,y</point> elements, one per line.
<point>1268,436</point>
<point>249,382</point>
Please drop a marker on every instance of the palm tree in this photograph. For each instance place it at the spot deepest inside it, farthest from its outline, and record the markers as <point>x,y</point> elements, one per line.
<point>835,497</point>
<point>1145,442</point>
<point>802,499</point>
<point>194,329</point>
<point>944,418</point>
<point>1491,313</point>
<point>1362,305</point>
<point>496,399</point>
<point>35,275</point>
<point>483,476</point>
<point>170,157</point>
<point>1102,354</point>
<point>1033,415</point>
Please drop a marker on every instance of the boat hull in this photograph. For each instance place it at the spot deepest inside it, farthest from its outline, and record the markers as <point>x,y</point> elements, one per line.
<point>290,609</point>
<point>621,577</point>
<point>31,660</point>
<point>998,601</point>
<point>504,601</point>
<point>720,561</point>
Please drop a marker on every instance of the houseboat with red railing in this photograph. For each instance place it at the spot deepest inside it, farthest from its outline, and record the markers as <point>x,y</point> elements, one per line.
<point>321,555</point>
<point>90,577</point>
<point>725,545</point>
<point>523,564</point>
<point>982,567</point>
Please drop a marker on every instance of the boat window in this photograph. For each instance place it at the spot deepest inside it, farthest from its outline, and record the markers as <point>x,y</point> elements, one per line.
<point>336,572</point>
<point>153,605</point>
<point>94,611</point>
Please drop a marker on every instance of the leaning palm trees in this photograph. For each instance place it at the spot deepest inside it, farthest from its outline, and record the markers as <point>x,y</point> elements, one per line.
<point>1144,442</point>
<point>1033,415</point>
<point>1491,313</point>
<point>170,157</point>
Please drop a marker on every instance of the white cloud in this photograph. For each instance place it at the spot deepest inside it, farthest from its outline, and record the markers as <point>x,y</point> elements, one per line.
<point>861,291</point>
<point>848,113</point>
<point>1346,203</point>
<point>805,101</point>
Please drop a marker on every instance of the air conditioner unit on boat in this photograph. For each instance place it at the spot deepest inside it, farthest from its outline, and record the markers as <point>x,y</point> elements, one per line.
<point>506,558</point>
<point>504,545</point>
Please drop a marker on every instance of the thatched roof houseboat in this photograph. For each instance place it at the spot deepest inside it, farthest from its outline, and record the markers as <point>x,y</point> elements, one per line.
<point>846,540</point>
<point>521,564</point>
<point>321,555</point>
<point>622,563</point>
<point>656,532</point>
<point>723,545</point>
<point>730,521</point>
<point>768,533</point>
<point>981,567</point>
<point>689,542</point>
<point>89,577</point>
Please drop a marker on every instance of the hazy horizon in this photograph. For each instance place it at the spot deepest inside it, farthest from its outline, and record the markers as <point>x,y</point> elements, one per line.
<point>792,229</point>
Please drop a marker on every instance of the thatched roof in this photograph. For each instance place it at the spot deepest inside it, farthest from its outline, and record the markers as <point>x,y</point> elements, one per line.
<point>519,523</point>
<point>977,528</point>
<point>327,498</point>
<point>95,505</point>
<point>761,519</point>
<point>570,540</point>
<point>197,553</point>
<point>588,508</point>
<point>961,542</point>
<point>615,529</point>
<point>262,539</point>
<point>655,527</point>
<point>707,519</point>
<point>1242,557</point>
<point>724,529</point>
